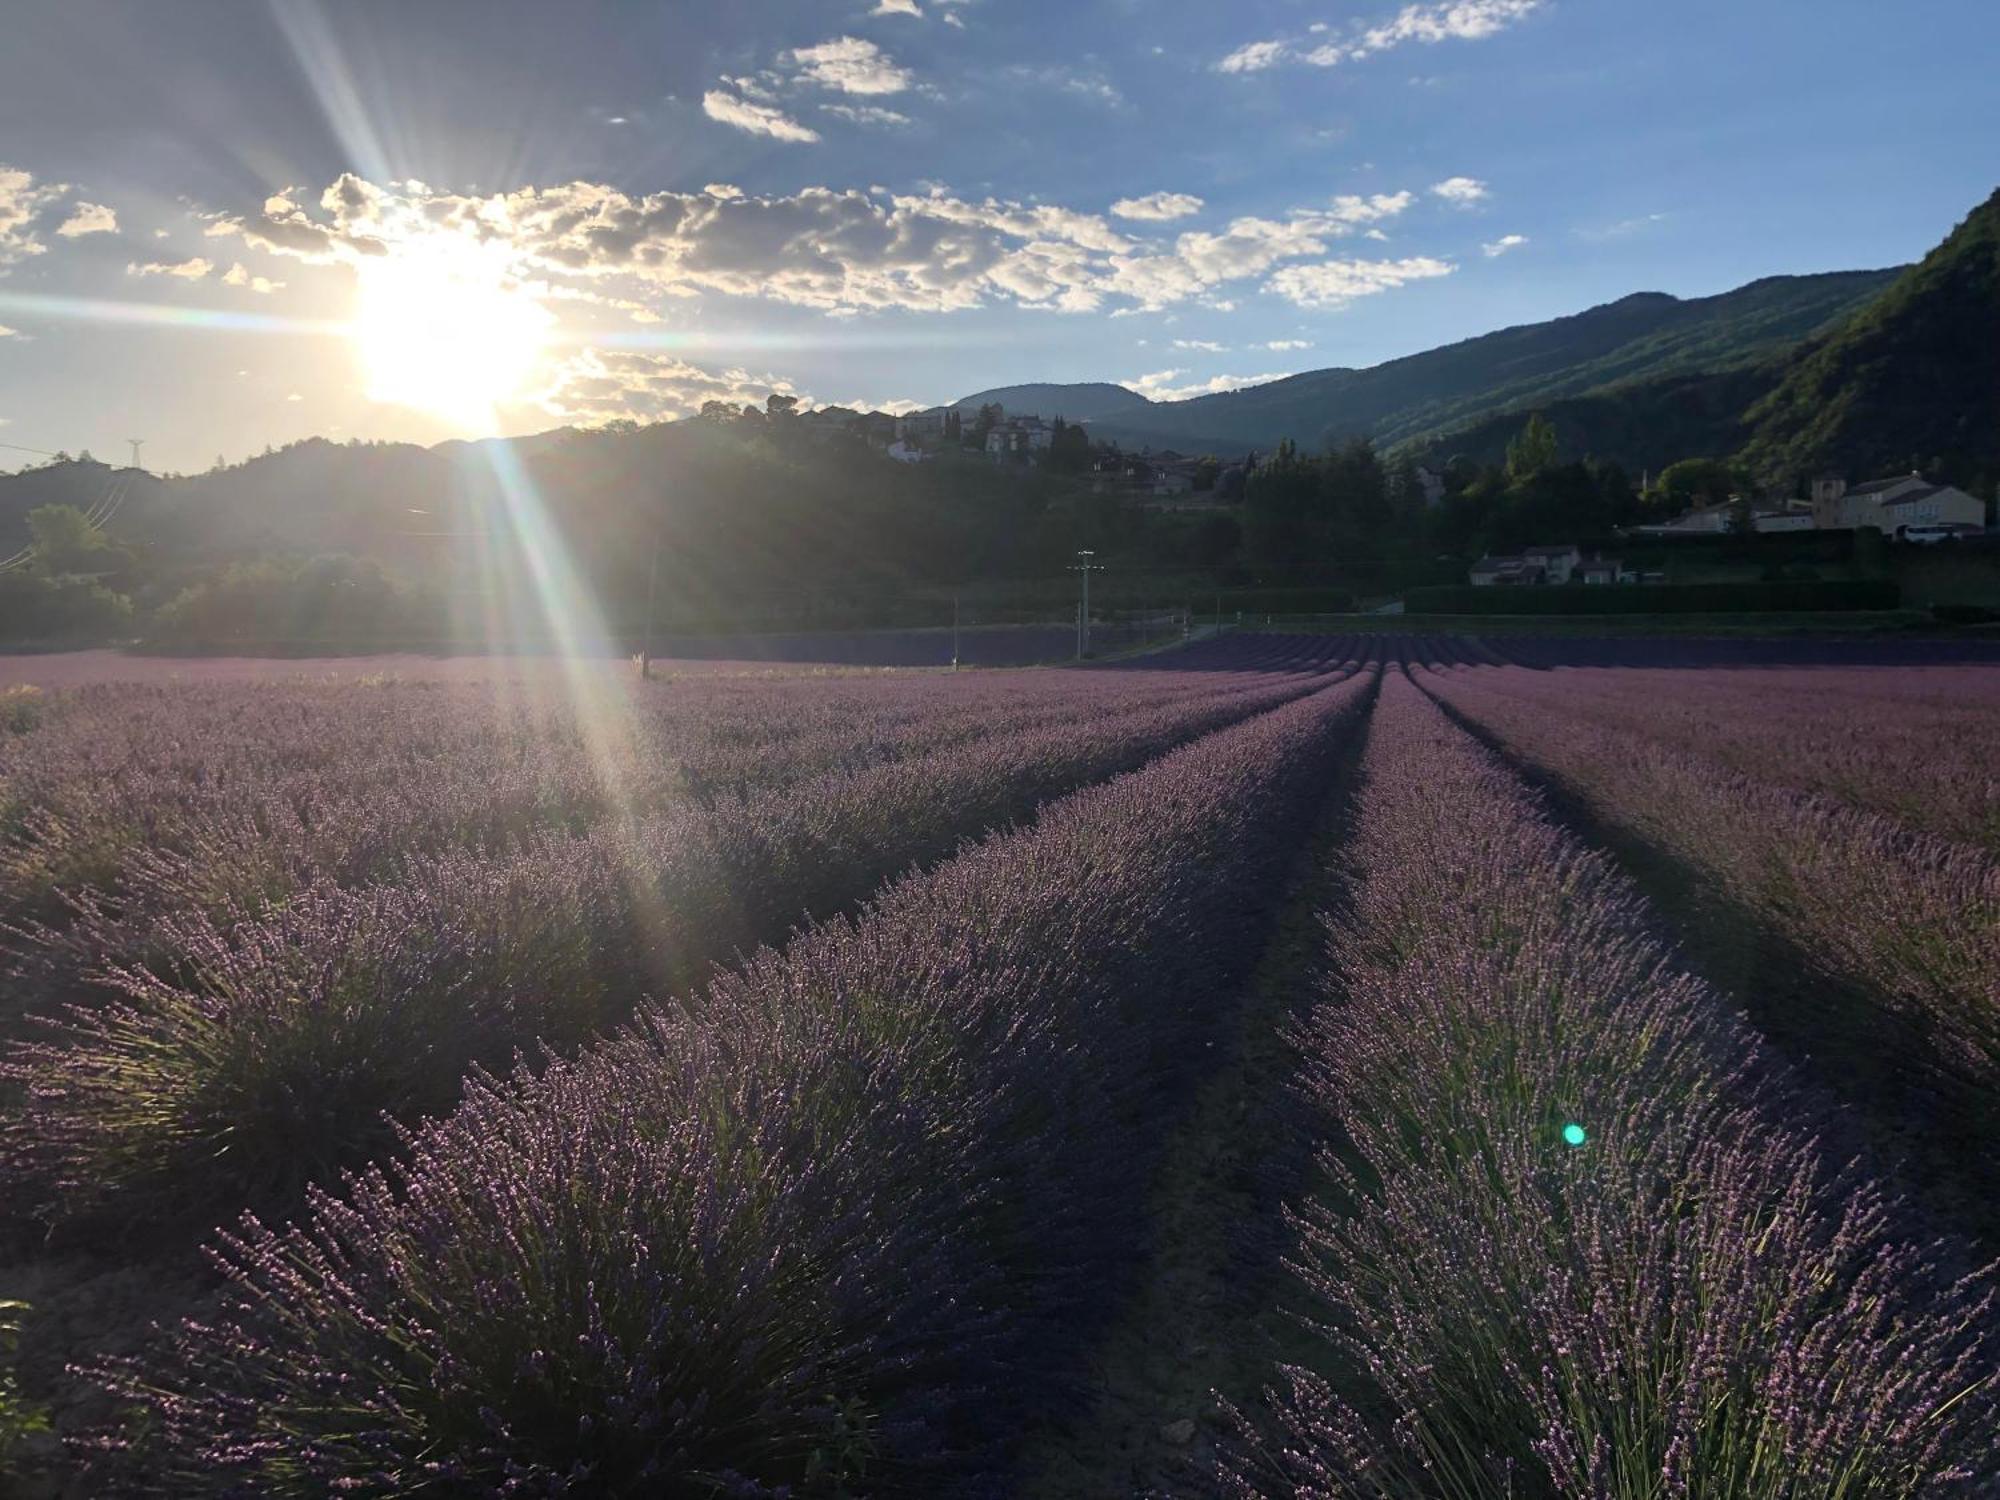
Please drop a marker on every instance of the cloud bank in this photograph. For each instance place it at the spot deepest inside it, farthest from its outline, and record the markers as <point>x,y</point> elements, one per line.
<point>840,250</point>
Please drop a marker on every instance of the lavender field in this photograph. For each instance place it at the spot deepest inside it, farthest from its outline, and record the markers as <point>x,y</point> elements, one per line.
<point>1404,1067</point>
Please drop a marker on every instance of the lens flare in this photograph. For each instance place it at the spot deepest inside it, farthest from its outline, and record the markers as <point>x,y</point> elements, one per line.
<point>1574,1134</point>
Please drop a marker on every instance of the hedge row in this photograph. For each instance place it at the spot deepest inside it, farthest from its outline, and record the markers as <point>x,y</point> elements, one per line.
<point>1298,601</point>
<point>1658,599</point>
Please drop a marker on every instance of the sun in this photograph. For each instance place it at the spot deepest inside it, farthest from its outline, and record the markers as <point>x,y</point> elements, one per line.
<point>441,326</point>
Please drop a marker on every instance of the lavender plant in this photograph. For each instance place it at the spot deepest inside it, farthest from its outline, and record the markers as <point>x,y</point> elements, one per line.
<point>261,1048</point>
<point>845,1213</point>
<point>1581,1237</point>
<point>1906,918</point>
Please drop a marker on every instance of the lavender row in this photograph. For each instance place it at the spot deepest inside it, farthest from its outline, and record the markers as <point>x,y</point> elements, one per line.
<point>1582,1239</point>
<point>822,1234</point>
<point>1915,748</point>
<point>1906,919</point>
<point>253,1051</point>
<point>266,786</point>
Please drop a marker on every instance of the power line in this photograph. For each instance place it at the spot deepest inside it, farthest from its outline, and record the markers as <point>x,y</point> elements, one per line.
<point>21,448</point>
<point>137,444</point>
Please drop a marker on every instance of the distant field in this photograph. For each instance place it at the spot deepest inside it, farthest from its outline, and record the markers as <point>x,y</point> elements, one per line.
<point>992,646</point>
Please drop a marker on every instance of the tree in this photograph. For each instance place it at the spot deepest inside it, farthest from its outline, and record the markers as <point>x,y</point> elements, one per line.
<point>990,416</point>
<point>1533,450</point>
<point>1699,481</point>
<point>1069,448</point>
<point>65,541</point>
<point>1216,541</point>
<point>1281,513</point>
<point>776,406</point>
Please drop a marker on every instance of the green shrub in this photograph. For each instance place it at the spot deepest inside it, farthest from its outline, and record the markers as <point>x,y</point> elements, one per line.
<point>320,601</point>
<point>38,609</point>
<point>19,1418</point>
<point>1291,601</point>
<point>1658,599</point>
<point>21,708</point>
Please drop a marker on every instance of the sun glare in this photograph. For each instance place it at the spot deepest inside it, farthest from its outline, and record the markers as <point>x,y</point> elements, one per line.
<point>439,326</point>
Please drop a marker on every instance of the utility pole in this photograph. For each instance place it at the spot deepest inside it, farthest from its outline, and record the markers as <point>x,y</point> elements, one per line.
<point>137,444</point>
<point>652,608</point>
<point>1084,568</point>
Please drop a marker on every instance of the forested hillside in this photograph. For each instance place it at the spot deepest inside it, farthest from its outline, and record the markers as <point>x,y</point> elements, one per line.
<point>1645,336</point>
<point>1913,379</point>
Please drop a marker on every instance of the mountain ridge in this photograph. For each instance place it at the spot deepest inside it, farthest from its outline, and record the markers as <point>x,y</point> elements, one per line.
<point>1642,335</point>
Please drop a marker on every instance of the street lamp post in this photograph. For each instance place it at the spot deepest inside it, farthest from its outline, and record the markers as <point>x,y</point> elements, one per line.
<point>1084,568</point>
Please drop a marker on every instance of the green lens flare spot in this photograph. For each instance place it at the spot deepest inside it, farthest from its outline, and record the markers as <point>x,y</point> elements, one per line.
<point>1574,1134</point>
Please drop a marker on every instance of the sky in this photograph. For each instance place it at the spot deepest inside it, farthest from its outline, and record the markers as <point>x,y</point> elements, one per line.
<point>230,224</point>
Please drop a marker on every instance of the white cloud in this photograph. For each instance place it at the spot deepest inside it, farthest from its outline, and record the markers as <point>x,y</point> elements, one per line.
<point>236,275</point>
<point>1335,283</point>
<point>21,200</point>
<point>1281,346</point>
<point>1462,191</point>
<point>837,251</point>
<point>1204,345</point>
<point>1158,206</point>
<point>295,396</point>
<point>896,8</point>
<point>1092,86</point>
<point>1425,24</point>
<point>601,385</point>
<point>758,119</point>
<point>1493,249</point>
<point>851,65</point>
<point>1625,227</point>
<point>185,270</point>
<point>1159,385</point>
<point>1253,57</point>
<point>88,218</point>
<point>9,333</point>
<point>865,114</point>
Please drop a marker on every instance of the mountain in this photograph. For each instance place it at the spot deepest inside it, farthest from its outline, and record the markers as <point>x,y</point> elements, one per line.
<point>1645,336</point>
<point>1913,379</point>
<point>1643,425</point>
<point>1091,401</point>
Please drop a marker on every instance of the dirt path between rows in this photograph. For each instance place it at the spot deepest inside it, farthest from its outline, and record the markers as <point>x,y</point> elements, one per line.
<point>1206,1311</point>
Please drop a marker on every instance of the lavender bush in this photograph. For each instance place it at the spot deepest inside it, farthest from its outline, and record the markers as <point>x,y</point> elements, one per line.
<point>1580,1237</point>
<point>1911,745</point>
<point>822,1233</point>
<point>261,1048</point>
<point>1907,918</point>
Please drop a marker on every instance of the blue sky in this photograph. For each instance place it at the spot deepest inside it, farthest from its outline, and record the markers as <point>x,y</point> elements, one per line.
<point>220,219</point>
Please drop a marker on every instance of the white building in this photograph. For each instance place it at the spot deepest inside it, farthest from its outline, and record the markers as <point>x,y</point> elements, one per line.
<point>1891,505</point>
<point>1603,571</point>
<point>1782,520</point>
<point>1557,563</point>
<point>919,426</point>
<point>1703,520</point>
